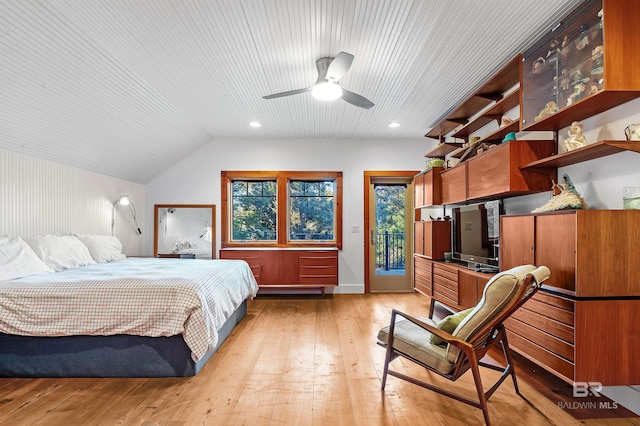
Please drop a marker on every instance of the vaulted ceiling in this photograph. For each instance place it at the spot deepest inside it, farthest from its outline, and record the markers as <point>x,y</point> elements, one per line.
<point>129,87</point>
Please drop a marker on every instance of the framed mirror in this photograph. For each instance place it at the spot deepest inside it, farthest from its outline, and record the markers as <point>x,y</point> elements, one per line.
<point>185,231</point>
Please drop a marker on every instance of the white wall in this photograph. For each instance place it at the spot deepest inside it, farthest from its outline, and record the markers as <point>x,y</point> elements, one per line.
<point>39,197</point>
<point>196,179</point>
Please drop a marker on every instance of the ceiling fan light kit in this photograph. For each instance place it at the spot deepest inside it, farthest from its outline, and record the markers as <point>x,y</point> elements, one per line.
<point>327,88</point>
<point>327,91</point>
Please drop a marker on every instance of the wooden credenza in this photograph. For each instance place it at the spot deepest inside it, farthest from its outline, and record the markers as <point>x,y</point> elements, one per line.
<point>582,325</point>
<point>289,268</point>
<point>449,283</point>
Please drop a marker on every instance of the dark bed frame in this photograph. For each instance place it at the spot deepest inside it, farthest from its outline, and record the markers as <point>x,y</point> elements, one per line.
<point>105,356</point>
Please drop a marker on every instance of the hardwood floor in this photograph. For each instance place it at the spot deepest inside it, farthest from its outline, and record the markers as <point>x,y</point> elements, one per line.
<point>291,361</point>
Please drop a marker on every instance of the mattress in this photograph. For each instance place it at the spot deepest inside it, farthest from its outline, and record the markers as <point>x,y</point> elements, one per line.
<point>147,297</point>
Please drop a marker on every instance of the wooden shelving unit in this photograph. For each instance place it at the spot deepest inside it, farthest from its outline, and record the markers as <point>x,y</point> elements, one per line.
<point>586,153</point>
<point>492,91</point>
<point>495,112</point>
<point>617,81</point>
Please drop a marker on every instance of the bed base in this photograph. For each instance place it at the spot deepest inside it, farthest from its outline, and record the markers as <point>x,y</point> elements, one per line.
<point>105,356</point>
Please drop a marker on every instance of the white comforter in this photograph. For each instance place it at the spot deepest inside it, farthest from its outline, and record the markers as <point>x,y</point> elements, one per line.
<point>137,296</point>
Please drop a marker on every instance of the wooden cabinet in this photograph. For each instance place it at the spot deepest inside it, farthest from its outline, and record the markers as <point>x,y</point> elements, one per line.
<point>579,324</point>
<point>582,68</point>
<point>427,188</point>
<point>454,184</point>
<point>449,283</point>
<point>497,173</point>
<point>591,253</point>
<point>289,268</point>
<point>432,238</point>
<point>579,339</point>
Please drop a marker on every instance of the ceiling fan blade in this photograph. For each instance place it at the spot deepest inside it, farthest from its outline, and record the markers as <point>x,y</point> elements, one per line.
<point>289,93</point>
<point>339,66</point>
<point>357,100</point>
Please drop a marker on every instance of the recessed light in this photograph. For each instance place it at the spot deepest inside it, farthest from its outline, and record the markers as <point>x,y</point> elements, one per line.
<point>394,124</point>
<point>255,124</point>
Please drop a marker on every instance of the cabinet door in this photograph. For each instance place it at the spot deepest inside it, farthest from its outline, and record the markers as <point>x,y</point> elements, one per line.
<point>432,187</point>
<point>418,191</point>
<point>555,243</point>
<point>279,267</point>
<point>516,241</point>
<point>467,289</point>
<point>418,237</point>
<point>454,184</point>
<point>490,173</point>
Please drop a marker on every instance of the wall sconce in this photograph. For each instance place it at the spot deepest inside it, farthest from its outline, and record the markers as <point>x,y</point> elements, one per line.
<point>124,200</point>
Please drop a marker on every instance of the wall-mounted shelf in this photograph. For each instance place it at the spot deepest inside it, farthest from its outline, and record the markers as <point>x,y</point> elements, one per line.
<point>495,112</point>
<point>589,152</point>
<point>491,91</point>
<point>443,149</point>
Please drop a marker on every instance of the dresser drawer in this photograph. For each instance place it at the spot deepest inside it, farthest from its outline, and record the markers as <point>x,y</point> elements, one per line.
<point>541,356</point>
<point>550,342</point>
<point>440,270</point>
<point>310,261</point>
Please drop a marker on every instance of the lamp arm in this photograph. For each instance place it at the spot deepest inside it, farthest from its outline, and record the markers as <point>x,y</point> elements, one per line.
<point>133,214</point>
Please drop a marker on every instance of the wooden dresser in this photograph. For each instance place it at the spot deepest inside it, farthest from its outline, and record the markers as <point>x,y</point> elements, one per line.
<point>289,268</point>
<point>583,324</point>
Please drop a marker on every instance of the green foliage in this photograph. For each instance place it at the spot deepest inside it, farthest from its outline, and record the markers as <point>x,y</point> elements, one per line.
<point>390,208</point>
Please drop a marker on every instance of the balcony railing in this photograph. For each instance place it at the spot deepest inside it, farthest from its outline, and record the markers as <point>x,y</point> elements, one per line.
<point>390,252</point>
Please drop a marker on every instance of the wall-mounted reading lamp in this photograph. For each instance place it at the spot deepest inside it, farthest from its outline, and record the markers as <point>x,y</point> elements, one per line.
<point>124,200</point>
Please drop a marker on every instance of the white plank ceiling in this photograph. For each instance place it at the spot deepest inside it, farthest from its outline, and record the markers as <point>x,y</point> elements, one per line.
<point>129,87</point>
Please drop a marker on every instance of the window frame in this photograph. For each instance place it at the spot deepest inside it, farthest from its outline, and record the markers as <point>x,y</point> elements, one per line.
<point>282,179</point>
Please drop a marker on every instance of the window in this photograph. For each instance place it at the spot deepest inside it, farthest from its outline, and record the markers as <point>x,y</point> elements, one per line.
<point>253,210</point>
<point>281,209</point>
<point>311,210</point>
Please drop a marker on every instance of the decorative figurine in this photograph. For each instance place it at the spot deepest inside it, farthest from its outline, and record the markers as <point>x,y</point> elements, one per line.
<point>505,121</point>
<point>538,64</point>
<point>578,90</point>
<point>565,197</point>
<point>576,138</point>
<point>552,53</point>
<point>564,48</point>
<point>632,132</point>
<point>597,61</point>
<point>549,108</point>
<point>583,39</point>
<point>565,81</point>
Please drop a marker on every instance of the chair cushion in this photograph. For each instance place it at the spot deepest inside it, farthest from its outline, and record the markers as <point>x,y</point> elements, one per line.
<point>414,341</point>
<point>448,324</point>
<point>499,293</point>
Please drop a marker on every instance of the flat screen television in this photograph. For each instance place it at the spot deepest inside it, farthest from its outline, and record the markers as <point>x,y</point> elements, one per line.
<point>476,232</point>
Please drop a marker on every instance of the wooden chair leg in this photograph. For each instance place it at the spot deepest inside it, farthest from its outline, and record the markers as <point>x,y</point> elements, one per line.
<point>481,396</point>
<point>507,356</point>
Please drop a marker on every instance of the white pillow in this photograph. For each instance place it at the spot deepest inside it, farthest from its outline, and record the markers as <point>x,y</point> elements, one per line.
<point>103,248</point>
<point>17,260</point>
<point>60,251</point>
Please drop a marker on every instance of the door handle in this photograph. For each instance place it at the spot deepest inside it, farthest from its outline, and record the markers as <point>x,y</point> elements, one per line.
<point>373,239</point>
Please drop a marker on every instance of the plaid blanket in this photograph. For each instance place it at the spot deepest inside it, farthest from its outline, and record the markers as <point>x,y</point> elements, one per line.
<point>137,296</point>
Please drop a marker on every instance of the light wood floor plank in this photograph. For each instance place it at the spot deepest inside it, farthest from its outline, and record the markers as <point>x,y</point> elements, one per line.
<point>292,361</point>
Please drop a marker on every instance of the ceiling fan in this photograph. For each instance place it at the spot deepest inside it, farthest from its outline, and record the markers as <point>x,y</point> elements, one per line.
<point>327,88</point>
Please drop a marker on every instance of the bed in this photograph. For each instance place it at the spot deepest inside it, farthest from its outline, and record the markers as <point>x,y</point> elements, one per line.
<point>137,317</point>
